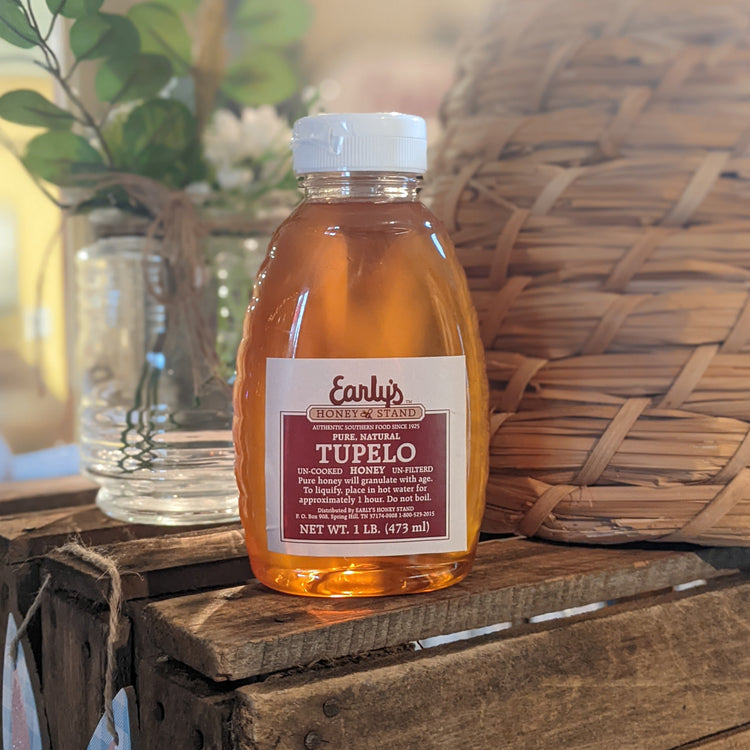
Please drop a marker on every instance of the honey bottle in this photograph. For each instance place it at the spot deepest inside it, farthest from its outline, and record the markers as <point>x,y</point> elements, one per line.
<point>361,396</point>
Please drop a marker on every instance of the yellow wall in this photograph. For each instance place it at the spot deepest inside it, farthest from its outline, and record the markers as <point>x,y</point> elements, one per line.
<point>37,224</point>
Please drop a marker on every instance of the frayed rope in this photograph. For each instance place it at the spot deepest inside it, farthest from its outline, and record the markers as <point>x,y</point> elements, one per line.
<point>108,567</point>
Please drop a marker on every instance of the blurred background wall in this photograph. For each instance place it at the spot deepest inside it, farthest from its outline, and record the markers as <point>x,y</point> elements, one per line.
<point>390,55</point>
<point>33,340</point>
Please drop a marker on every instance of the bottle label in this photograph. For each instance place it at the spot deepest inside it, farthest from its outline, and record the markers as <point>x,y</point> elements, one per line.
<point>366,457</point>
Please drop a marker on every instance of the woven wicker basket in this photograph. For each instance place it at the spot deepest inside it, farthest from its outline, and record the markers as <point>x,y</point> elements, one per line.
<point>595,176</point>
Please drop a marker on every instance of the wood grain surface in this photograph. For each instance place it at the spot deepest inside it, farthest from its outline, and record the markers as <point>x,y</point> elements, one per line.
<point>241,632</point>
<point>155,566</point>
<point>29,535</point>
<point>74,628</point>
<point>73,665</point>
<point>735,739</point>
<point>646,676</point>
<point>27,496</point>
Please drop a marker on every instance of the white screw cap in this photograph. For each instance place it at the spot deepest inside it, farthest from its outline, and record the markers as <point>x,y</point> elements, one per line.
<point>369,142</point>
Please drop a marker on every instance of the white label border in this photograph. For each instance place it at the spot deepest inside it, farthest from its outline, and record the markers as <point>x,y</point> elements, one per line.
<point>439,383</point>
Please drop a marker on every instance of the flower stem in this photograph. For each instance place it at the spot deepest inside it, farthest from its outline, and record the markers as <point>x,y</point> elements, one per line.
<point>54,68</point>
<point>88,118</point>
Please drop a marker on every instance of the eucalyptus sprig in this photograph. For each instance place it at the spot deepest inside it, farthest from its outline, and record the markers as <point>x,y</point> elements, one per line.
<point>161,69</point>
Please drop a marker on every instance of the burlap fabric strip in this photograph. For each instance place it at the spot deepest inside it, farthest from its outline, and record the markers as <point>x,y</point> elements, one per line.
<point>176,233</point>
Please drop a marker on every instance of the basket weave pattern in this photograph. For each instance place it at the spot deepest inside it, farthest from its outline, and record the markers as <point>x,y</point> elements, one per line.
<point>595,176</point>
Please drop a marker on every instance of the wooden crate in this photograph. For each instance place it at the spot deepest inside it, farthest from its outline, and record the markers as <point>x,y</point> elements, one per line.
<point>27,510</point>
<point>242,667</point>
<point>75,616</point>
<point>37,517</point>
<point>31,514</point>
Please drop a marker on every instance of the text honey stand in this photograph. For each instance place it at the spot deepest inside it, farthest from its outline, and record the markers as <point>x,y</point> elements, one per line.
<point>244,667</point>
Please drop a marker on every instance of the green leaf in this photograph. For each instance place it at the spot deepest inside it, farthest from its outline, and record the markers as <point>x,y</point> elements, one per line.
<point>158,126</point>
<point>30,108</point>
<point>124,79</point>
<point>59,157</point>
<point>273,23</point>
<point>14,27</point>
<point>74,8</point>
<point>103,35</point>
<point>112,134</point>
<point>261,77</point>
<point>182,6</point>
<point>162,32</point>
<point>159,138</point>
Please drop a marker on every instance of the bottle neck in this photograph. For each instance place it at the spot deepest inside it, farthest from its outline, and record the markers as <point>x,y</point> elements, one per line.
<point>380,187</point>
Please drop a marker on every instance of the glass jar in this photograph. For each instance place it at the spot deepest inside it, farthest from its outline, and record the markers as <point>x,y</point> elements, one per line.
<point>155,412</point>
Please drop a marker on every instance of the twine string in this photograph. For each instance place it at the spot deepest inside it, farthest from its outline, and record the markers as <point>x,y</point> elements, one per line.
<point>176,236</point>
<point>181,232</point>
<point>24,626</point>
<point>114,601</point>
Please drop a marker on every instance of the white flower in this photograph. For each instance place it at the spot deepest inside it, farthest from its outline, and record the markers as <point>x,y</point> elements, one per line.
<point>231,178</point>
<point>222,139</point>
<point>263,130</point>
<point>230,140</point>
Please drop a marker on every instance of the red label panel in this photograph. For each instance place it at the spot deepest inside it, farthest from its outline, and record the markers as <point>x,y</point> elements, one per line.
<point>374,481</point>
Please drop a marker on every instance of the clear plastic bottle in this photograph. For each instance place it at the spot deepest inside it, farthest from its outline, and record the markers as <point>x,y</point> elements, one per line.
<point>361,398</point>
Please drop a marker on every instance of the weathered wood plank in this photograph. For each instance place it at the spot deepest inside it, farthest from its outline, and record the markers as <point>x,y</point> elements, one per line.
<point>73,667</point>
<point>33,534</point>
<point>41,494</point>
<point>158,565</point>
<point>735,739</point>
<point>72,609</point>
<point>631,676</point>
<point>240,632</point>
<point>24,539</point>
<point>22,542</point>
<point>178,709</point>
<point>15,526</point>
